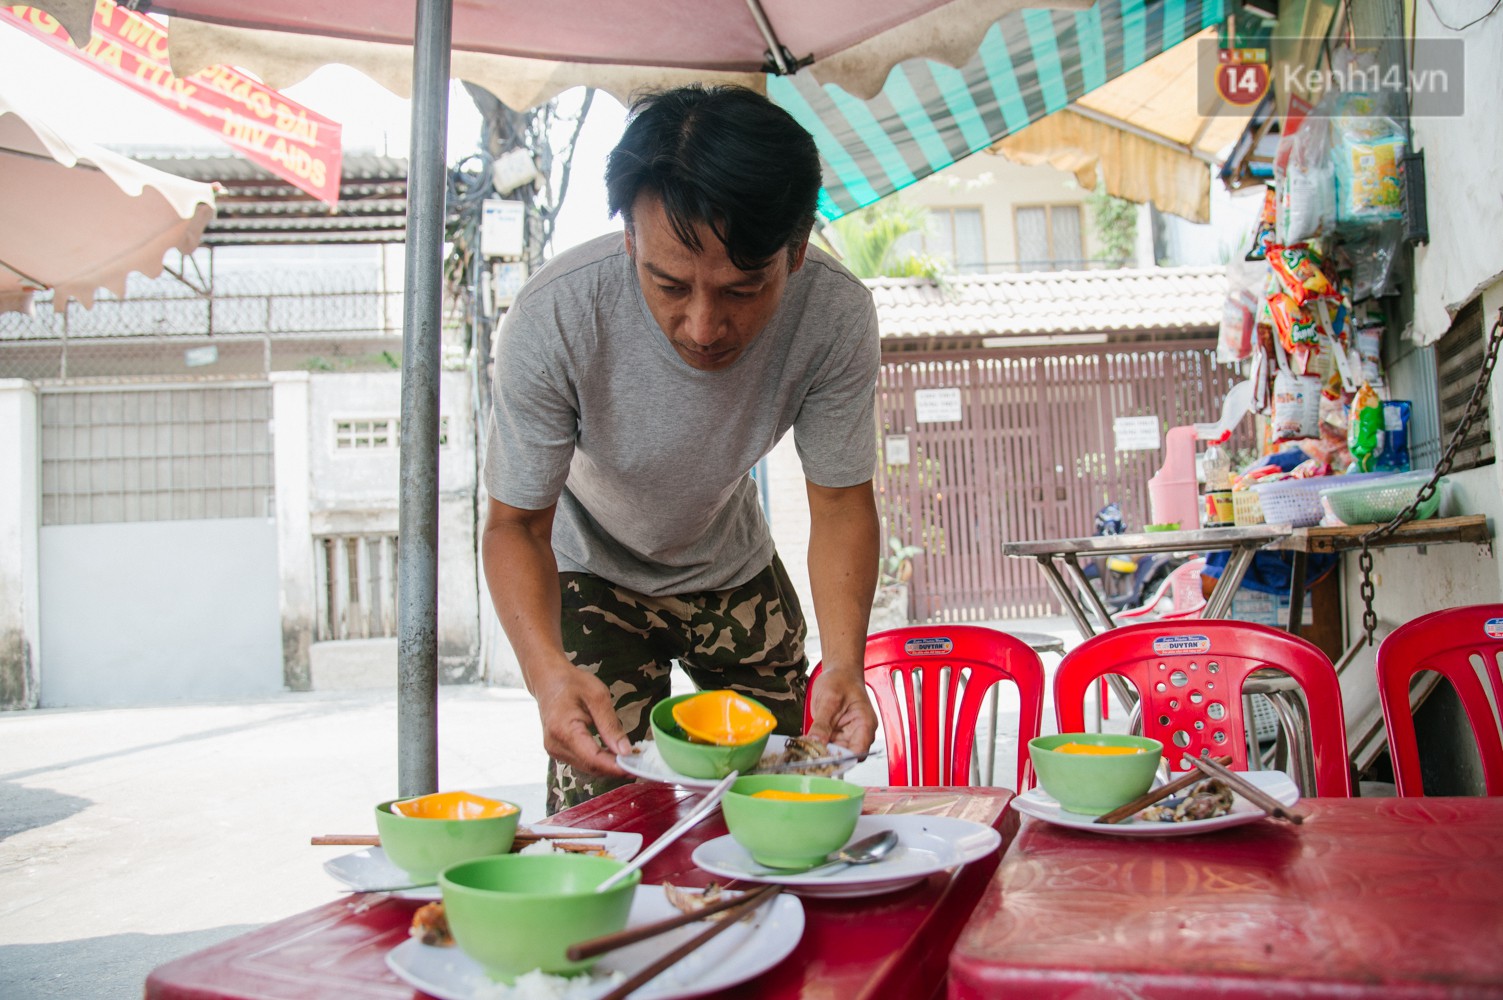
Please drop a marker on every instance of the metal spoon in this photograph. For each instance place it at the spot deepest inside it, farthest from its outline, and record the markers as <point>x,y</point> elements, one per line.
<point>862,852</point>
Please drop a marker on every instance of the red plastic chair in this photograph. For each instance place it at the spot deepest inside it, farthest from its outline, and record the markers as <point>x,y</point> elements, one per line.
<point>1184,591</point>
<point>1190,677</point>
<point>930,682</point>
<point>1446,642</point>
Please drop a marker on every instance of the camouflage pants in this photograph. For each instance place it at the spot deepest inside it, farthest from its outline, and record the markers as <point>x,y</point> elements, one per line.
<point>749,638</point>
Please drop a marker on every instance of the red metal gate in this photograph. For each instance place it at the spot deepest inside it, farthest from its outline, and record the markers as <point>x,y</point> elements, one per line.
<point>1032,456</point>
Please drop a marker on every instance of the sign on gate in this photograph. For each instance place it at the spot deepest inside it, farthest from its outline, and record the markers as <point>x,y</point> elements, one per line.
<point>1136,433</point>
<point>936,406</point>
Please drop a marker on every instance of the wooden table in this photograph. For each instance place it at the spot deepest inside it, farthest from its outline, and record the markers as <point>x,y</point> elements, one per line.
<point>1394,898</point>
<point>1303,541</point>
<point>893,945</point>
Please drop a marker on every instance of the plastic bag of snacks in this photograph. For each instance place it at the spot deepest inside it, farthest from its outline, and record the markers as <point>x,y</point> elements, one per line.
<point>1234,342</point>
<point>1368,148</point>
<point>1371,258</point>
<point>1369,344</point>
<point>1302,273</point>
<point>1296,406</point>
<point>1364,429</point>
<point>1305,183</point>
<point>1265,229</point>
<point>1239,316</point>
<point>1394,455</point>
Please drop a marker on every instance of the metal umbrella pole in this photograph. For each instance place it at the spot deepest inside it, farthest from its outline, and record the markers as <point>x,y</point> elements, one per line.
<point>422,348</point>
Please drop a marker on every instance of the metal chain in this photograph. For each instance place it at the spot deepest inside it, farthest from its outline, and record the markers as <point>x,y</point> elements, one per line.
<point>1473,408</point>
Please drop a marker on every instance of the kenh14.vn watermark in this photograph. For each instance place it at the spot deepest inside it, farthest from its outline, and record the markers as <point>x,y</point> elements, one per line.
<point>1425,76</point>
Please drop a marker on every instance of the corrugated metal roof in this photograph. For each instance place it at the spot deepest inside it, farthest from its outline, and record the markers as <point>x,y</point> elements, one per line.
<point>257,207</point>
<point>1166,300</point>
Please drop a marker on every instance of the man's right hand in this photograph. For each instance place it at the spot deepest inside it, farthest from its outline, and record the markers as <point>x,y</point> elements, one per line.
<point>574,706</point>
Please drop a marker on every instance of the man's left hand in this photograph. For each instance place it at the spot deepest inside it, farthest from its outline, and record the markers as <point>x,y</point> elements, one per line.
<point>842,711</point>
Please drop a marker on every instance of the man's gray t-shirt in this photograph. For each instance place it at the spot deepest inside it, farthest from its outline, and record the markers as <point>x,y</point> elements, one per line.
<point>648,457</point>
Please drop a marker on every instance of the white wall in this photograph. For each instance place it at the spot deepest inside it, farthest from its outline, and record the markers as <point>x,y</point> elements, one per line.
<point>159,611</point>
<point>995,185</point>
<point>1411,582</point>
<point>788,513</point>
<point>20,626</point>
<point>289,407</point>
<point>358,490</point>
<point>1462,155</point>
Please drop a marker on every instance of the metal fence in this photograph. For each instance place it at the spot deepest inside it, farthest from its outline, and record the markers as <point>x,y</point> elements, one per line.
<point>1032,455</point>
<point>241,324</point>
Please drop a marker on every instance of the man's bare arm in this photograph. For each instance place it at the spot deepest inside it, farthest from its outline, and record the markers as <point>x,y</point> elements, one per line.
<point>522,575</point>
<point>843,551</point>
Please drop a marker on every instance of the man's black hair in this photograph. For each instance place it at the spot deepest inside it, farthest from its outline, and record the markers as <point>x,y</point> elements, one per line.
<point>723,156</point>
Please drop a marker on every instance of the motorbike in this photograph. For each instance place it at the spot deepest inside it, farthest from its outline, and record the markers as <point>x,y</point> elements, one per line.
<point>1123,580</point>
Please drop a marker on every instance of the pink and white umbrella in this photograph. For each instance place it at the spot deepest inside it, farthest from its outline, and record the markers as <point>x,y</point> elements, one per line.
<point>75,217</point>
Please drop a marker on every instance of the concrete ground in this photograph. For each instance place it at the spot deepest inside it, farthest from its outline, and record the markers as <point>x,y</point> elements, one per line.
<point>130,837</point>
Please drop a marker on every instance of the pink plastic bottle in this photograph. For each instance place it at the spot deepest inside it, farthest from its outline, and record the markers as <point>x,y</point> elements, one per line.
<point>1173,495</point>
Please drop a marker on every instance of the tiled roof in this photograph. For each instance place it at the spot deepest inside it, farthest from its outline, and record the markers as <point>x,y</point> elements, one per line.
<point>1169,299</point>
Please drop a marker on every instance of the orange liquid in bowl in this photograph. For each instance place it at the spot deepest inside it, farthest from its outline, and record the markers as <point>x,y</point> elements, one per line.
<point>1096,749</point>
<point>452,805</point>
<point>786,796</point>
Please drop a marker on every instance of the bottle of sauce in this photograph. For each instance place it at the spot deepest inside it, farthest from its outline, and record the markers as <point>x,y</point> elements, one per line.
<point>1217,500</point>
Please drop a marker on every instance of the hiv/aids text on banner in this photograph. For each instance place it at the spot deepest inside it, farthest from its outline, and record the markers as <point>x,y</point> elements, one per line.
<point>298,145</point>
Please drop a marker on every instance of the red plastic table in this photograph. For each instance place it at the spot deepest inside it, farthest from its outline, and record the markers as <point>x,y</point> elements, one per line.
<point>885,946</point>
<point>1392,898</point>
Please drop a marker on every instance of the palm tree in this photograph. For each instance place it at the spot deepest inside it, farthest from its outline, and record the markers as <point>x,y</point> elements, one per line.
<point>866,241</point>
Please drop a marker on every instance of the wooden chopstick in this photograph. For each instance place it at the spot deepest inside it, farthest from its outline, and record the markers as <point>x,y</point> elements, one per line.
<point>610,942</point>
<point>747,904</point>
<point>1248,790</point>
<point>535,835</point>
<point>372,840</point>
<point>1148,798</point>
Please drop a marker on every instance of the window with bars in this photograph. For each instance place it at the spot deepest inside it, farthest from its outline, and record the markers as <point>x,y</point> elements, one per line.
<point>355,586</point>
<point>1049,234</point>
<point>378,432</point>
<point>1458,360</point>
<point>954,235</point>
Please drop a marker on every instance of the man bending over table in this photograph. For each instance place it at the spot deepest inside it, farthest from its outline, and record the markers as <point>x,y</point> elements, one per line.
<point>639,378</point>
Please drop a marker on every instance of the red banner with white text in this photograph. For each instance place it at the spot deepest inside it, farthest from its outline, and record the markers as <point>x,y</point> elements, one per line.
<point>298,145</point>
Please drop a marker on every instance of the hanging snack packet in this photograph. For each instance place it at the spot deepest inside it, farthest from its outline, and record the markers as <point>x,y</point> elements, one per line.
<point>1305,183</point>
<point>1296,406</point>
<point>1363,429</point>
<point>1394,455</point>
<point>1264,231</point>
<point>1334,414</point>
<point>1370,352</point>
<point>1367,147</point>
<point>1238,321</point>
<point>1298,331</point>
<point>1301,272</point>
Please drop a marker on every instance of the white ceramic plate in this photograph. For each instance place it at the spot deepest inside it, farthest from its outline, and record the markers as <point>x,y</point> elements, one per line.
<point>649,764</point>
<point>1038,803</point>
<point>926,844</point>
<point>370,870</point>
<point>733,956</point>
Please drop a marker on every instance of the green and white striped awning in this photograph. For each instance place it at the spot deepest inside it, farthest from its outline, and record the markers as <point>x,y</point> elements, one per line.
<point>928,115</point>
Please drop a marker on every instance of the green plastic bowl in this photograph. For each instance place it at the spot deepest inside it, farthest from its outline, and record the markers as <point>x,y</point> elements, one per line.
<point>699,760</point>
<point>519,912</point>
<point>1093,784</point>
<point>424,847</point>
<point>783,834</point>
